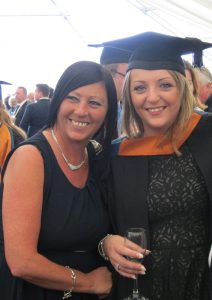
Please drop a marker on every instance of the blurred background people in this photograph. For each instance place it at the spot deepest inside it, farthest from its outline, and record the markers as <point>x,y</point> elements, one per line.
<point>204,77</point>
<point>6,102</point>
<point>116,61</point>
<point>35,115</point>
<point>21,97</point>
<point>13,105</point>
<point>51,93</point>
<point>31,97</point>
<point>193,84</point>
<point>10,134</point>
<point>7,97</point>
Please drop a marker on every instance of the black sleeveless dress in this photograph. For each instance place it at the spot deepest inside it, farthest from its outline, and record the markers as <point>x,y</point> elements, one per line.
<point>73,222</point>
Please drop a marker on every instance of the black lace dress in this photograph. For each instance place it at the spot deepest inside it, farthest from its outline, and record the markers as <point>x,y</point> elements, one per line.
<point>178,206</point>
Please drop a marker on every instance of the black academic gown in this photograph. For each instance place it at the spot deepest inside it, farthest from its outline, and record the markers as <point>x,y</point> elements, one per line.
<point>129,187</point>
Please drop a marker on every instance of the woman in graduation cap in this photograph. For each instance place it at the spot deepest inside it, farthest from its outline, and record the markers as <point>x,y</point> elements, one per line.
<point>161,178</point>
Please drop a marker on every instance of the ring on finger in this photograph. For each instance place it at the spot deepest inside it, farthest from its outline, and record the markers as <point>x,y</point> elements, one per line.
<point>117,267</point>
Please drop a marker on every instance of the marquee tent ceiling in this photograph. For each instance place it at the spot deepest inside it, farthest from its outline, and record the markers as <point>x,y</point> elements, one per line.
<point>39,38</point>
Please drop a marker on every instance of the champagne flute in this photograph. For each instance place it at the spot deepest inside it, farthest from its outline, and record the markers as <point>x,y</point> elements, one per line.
<point>138,236</point>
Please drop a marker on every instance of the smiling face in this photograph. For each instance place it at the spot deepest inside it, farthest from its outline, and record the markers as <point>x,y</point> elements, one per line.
<point>82,112</point>
<point>156,99</point>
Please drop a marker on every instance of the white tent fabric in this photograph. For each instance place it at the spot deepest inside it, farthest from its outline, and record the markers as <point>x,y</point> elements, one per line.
<point>195,13</point>
<point>40,38</point>
<point>181,18</point>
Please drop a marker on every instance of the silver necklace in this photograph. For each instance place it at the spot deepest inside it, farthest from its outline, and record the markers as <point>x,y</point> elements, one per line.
<point>70,165</point>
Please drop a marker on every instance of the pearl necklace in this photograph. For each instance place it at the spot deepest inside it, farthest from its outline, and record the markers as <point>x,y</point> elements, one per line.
<point>70,165</point>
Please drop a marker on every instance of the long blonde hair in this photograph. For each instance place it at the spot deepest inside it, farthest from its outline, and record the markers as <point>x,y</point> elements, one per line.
<point>194,79</point>
<point>6,119</point>
<point>132,124</point>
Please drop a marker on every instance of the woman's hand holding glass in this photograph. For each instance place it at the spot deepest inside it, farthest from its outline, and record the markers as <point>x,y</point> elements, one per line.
<point>118,250</point>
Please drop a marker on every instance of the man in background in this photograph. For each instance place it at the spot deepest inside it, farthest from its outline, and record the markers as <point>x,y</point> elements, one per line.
<point>21,97</point>
<point>36,113</point>
<point>204,77</point>
<point>116,61</point>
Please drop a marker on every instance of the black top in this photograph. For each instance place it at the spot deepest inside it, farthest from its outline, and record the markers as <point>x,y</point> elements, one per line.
<point>73,222</point>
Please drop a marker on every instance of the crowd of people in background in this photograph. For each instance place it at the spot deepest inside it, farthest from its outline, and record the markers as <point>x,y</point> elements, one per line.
<point>22,115</point>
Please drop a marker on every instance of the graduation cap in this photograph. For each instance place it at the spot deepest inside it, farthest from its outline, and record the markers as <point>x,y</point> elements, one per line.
<point>117,51</point>
<point>153,50</point>
<point>198,47</point>
<point>112,55</point>
<point>2,82</point>
<point>158,51</point>
<point>120,50</point>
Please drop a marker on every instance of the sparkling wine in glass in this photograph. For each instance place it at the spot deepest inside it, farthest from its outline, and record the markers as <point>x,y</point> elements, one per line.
<point>138,236</point>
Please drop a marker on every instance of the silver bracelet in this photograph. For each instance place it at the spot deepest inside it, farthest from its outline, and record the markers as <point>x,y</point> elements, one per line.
<point>68,294</point>
<point>101,248</point>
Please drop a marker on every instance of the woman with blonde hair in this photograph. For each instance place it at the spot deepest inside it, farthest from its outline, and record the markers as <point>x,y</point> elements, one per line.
<point>10,134</point>
<point>193,84</point>
<point>161,179</point>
